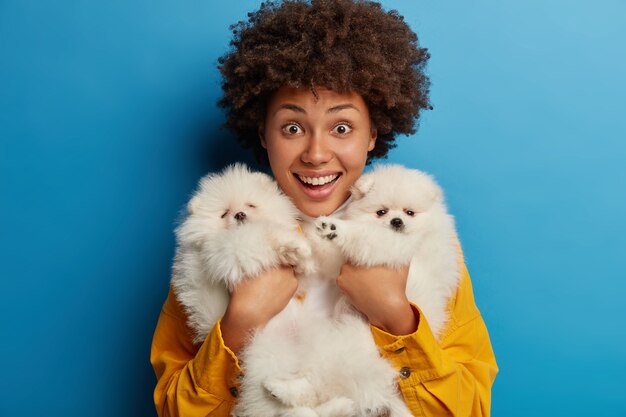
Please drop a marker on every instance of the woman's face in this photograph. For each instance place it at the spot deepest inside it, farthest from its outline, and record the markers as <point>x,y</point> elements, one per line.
<point>317,147</point>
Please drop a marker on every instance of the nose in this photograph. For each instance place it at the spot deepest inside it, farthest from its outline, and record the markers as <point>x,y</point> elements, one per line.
<point>396,223</point>
<point>317,150</point>
<point>240,217</point>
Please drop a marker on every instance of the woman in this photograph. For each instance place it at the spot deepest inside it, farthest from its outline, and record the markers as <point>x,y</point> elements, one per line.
<point>318,89</point>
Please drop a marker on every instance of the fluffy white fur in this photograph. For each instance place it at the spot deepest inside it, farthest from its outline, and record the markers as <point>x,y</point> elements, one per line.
<point>331,366</point>
<point>238,224</point>
<point>424,235</point>
<point>316,358</point>
<point>328,368</point>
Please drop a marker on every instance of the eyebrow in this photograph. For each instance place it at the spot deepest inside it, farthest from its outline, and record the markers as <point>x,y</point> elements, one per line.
<point>333,109</point>
<point>340,107</point>
<point>292,107</point>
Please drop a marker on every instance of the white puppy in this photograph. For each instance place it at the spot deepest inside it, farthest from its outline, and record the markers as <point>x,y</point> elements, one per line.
<point>396,217</point>
<point>238,224</point>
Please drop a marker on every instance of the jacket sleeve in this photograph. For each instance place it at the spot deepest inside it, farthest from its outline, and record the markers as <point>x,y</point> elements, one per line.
<point>453,377</point>
<point>191,380</point>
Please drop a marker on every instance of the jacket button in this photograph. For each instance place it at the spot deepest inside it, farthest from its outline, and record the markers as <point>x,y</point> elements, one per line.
<point>234,392</point>
<point>405,373</point>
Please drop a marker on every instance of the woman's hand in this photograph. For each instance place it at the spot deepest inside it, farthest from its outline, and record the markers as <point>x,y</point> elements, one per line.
<point>254,301</point>
<point>380,293</point>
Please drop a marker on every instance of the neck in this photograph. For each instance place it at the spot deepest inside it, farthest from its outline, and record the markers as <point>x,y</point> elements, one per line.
<point>308,219</point>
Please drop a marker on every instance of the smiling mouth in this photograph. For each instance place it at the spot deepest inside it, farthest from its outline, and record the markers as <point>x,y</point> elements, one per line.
<point>314,182</point>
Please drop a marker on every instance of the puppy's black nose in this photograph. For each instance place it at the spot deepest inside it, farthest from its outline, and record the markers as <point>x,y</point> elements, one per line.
<point>396,223</point>
<point>240,217</point>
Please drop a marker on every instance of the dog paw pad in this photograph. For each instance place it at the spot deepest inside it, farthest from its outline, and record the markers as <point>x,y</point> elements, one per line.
<point>326,229</point>
<point>320,226</point>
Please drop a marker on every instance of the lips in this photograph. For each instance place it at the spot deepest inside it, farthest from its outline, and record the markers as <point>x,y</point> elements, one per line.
<point>317,186</point>
<point>323,180</point>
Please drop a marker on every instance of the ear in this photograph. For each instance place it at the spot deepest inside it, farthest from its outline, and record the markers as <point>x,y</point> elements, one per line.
<point>435,191</point>
<point>264,178</point>
<point>261,132</point>
<point>362,186</point>
<point>373,136</point>
<point>193,205</point>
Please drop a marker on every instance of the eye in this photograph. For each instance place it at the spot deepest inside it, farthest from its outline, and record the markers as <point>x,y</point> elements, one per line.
<point>342,129</point>
<point>225,214</point>
<point>381,213</point>
<point>292,129</point>
<point>409,212</point>
<point>250,205</point>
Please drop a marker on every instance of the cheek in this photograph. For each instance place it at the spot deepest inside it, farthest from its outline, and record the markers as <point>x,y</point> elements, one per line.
<point>280,155</point>
<point>381,221</point>
<point>353,155</point>
<point>413,224</point>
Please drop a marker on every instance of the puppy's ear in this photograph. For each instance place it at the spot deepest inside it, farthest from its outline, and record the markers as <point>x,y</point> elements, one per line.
<point>265,179</point>
<point>362,186</point>
<point>193,205</point>
<point>433,189</point>
<point>437,193</point>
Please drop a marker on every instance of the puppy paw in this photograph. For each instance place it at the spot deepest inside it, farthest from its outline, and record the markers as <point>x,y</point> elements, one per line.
<point>305,267</point>
<point>326,227</point>
<point>288,255</point>
<point>297,253</point>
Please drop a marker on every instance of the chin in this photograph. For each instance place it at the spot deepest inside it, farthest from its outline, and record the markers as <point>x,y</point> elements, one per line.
<point>318,209</point>
<point>315,201</point>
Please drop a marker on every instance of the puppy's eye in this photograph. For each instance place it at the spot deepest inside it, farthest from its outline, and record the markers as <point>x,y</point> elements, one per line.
<point>410,213</point>
<point>251,205</point>
<point>381,213</point>
<point>225,214</point>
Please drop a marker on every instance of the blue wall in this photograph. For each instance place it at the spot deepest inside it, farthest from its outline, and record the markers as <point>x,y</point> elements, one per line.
<point>108,118</point>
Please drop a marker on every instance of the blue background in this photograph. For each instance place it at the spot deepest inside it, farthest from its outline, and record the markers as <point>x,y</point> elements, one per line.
<point>108,119</point>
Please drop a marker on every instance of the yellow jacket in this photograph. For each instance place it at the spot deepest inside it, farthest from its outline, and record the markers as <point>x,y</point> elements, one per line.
<point>452,378</point>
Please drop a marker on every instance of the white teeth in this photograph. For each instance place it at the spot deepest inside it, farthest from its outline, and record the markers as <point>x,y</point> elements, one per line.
<point>318,180</point>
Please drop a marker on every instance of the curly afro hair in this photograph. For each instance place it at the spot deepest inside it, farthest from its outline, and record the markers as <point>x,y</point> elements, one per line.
<point>342,45</point>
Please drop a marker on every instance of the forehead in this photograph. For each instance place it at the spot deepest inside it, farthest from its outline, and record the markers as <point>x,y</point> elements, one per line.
<point>400,192</point>
<point>323,101</point>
